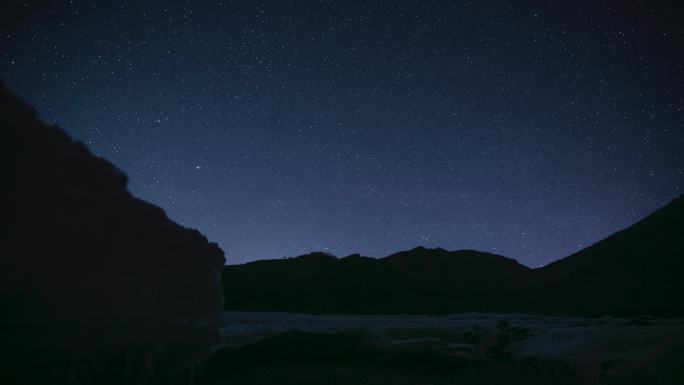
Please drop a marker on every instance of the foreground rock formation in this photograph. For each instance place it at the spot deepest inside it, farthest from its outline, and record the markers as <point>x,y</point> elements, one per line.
<point>96,286</point>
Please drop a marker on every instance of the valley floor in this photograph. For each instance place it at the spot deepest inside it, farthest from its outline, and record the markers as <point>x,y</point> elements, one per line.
<point>281,348</point>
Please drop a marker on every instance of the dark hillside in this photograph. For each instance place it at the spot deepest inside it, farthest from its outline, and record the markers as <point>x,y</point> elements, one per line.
<point>96,286</point>
<point>635,271</point>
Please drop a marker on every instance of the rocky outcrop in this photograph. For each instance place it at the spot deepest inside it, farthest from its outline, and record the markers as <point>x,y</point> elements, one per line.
<point>96,286</point>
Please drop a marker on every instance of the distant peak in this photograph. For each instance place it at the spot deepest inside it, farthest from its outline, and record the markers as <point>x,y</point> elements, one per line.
<point>317,255</point>
<point>423,249</point>
<point>353,256</point>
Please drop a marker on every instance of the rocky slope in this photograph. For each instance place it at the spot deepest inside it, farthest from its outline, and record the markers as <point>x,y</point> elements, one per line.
<point>96,286</point>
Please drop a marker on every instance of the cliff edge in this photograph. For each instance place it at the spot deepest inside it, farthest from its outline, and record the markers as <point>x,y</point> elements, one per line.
<point>96,286</point>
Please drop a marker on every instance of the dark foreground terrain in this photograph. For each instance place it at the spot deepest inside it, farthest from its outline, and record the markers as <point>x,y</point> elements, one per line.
<point>96,286</point>
<point>279,348</point>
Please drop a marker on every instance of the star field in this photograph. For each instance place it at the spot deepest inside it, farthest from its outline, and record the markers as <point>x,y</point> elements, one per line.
<point>278,128</point>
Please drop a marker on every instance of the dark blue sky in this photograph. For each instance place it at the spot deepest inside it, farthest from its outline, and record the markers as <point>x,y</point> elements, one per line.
<point>283,127</point>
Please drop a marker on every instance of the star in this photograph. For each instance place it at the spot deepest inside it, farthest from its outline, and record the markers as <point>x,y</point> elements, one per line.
<point>276,131</point>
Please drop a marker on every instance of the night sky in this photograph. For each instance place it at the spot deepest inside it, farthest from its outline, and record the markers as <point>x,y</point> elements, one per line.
<point>283,127</point>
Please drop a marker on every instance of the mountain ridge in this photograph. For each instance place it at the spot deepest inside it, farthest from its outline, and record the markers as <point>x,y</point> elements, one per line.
<point>605,278</point>
<point>358,256</point>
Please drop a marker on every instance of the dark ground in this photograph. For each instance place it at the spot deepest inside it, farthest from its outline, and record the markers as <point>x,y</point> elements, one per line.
<point>280,348</point>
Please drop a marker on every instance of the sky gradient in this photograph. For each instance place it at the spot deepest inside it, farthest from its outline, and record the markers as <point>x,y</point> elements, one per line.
<point>279,128</point>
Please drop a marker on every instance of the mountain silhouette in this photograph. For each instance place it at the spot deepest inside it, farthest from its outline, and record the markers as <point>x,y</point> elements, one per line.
<point>635,271</point>
<point>416,281</point>
<point>96,286</point>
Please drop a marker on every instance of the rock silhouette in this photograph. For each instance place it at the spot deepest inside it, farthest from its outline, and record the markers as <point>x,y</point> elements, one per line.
<point>96,286</point>
<point>633,272</point>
